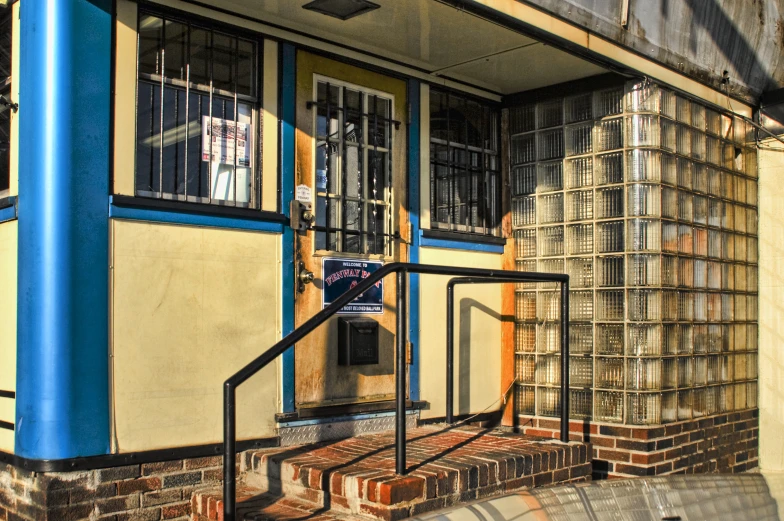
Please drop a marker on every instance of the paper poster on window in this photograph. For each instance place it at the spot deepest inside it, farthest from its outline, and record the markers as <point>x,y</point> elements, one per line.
<point>340,275</point>
<point>223,138</point>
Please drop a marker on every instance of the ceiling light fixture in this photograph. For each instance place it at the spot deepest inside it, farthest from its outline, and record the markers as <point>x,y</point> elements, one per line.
<point>341,9</point>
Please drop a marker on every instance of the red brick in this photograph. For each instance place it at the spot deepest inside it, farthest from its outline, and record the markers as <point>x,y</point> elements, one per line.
<point>177,510</point>
<point>614,455</point>
<point>138,485</point>
<point>648,459</point>
<point>603,441</point>
<point>400,490</point>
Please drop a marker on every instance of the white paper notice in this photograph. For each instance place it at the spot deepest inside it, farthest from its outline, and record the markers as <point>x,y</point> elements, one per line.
<point>223,138</point>
<point>303,194</point>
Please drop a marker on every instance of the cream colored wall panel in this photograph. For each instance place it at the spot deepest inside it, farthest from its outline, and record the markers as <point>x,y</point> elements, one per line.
<point>477,335</point>
<point>269,133</point>
<point>125,99</point>
<point>7,441</point>
<point>771,305</point>
<point>8,276</point>
<point>7,409</point>
<point>191,306</point>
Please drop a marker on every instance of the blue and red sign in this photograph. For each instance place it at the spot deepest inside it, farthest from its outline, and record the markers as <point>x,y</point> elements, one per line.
<point>340,275</point>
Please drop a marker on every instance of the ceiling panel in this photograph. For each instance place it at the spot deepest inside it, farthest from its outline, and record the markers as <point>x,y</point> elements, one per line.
<point>432,36</point>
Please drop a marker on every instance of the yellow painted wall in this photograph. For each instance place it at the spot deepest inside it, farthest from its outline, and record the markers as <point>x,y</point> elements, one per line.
<point>190,306</point>
<point>477,335</point>
<point>8,273</point>
<point>771,305</point>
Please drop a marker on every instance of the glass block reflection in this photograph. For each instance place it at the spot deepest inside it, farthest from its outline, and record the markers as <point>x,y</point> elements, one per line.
<point>648,201</point>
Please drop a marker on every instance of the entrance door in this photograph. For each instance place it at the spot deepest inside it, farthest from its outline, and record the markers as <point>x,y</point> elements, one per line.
<point>351,154</point>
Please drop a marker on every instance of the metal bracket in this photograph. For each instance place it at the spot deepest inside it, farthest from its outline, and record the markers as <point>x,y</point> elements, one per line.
<point>8,104</point>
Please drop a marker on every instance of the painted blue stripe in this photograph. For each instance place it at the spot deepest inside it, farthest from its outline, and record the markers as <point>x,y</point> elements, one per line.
<point>8,213</point>
<point>460,245</point>
<point>287,171</point>
<point>414,173</point>
<point>192,219</point>
<point>62,394</point>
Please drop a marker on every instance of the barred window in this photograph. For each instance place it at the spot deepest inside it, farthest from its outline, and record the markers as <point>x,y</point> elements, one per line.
<point>197,136</point>
<point>5,90</point>
<point>465,191</point>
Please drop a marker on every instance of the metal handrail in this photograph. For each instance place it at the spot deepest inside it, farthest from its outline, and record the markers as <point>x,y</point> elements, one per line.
<point>401,268</point>
<point>450,345</point>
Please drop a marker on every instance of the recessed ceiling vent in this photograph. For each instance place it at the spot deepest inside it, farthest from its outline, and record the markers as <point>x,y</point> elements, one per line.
<point>342,9</point>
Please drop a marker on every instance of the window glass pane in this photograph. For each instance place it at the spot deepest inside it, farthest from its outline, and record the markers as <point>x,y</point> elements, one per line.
<point>223,66</point>
<point>176,50</point>
<point>150,38</point>
<point>353,120</point>
<point>353,171</point>
<point>439,120</point>
<point>246,68</point>
<point>200,56</point>
<point>195,186</point>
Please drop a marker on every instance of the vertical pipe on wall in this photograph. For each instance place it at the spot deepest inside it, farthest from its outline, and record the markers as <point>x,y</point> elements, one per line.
<point>63,305</point>
<point>400,376</point>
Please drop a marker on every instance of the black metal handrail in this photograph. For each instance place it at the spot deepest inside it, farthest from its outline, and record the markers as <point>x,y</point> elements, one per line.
<point>402,269</point>
<point>450,343</point>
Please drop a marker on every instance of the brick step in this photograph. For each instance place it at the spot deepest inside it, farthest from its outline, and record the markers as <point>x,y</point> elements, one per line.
<point>447,466</point>
<point>254,504</point>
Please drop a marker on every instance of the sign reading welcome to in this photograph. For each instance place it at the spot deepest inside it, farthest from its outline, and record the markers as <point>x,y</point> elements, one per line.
<point>340,275</point>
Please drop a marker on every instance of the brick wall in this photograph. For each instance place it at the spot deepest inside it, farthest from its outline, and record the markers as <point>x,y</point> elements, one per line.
<point>148,491</point>
<point>720,443</point>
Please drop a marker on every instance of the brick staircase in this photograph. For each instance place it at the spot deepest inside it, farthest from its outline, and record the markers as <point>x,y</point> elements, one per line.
<point>354,479</point>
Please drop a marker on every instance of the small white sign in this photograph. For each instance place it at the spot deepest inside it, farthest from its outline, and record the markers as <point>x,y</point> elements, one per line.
<point>304,194</point>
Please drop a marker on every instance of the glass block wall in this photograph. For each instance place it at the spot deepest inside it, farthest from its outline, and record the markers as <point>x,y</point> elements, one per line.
<point>648,200</point>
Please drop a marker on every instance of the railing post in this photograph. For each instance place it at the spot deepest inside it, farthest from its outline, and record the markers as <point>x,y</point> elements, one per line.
<point>450,352</point>
<point>565,362</point>
<point>400,391</point>
<point>229,449</point>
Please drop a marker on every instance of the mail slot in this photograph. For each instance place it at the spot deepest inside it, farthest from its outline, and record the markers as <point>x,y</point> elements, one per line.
<point>357,341</point>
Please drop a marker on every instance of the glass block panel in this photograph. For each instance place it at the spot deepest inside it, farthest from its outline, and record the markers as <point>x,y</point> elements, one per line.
<point>581,305</point>
<point>579,239</point>
<point>609,373</point>
<point>525,305</point>
<point>609,202</point>
<point>525,337</point>
<point>642,131</point>
<point>683,140</point>
<point>548,369</point>
<point>548,307</point>
<point>644,305</point>
<point>644,409</point>
<point>549,176</point>
<point>580,371</point>
<point>580,338</point>
<point>579,172</point>
<point>643,200</point>
<point>549,401</point>
<point>669,171</point>
<point>669,373</point>
<point>608,406</point>
<point>525,242</point>
<point>548,339</point>
<point>643,165</point>
<point>522,118</point>
<point>580,403</point>
<point>644,235</point>
<point>669,407</point>
<point>609,305</point>
<point>610,237</point>
<point>644,270</point>
<point>669,203</point>
<point>644,340</point>
<point>669,305</point>
<point>525,399</point>
<point>580,271</point>
<point>550,208</point>
<point>685,373</point>
<point>524,180</point>
<point>609,339</point>
<point>579,205</point>
<point>550,144</point>
<point>524,211</point>
<point>549,113</point>
<point>609,168</point>
<point>525,369</point>
<point>669,237</point>
<point>549,266</point>
<point>579,139</point>
<point>551,241</point>
<point>670,338</point>
<point>609,134</point>
<point>578,108</point>
<point>609,271</point>
<point>608,102</point>
<point>523,148</point>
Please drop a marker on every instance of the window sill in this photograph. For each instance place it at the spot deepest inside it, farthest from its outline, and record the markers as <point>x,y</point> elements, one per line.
<point>461,241</point>
<point>194,214</point>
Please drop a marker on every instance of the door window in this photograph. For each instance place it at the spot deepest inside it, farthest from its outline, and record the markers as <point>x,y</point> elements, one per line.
<point>353,166</point>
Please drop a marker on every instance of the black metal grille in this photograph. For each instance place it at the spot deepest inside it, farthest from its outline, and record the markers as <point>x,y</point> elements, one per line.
<point>197,134</point>
<point>6,42</point>
<point>353,169</point>
<point>464,165</point>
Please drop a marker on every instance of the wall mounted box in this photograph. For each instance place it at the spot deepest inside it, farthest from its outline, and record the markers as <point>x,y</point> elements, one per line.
<point>357,341</point>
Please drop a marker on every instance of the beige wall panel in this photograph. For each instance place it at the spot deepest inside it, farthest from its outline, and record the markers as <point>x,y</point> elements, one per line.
<point>8,274</point>
<point>191,306</point>
<point>269,129</point>
<point>477,335</point>
<point>771,305</point>
<point>125,99</point>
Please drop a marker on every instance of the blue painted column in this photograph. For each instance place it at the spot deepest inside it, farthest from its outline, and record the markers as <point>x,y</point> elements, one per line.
<point>62,400</point>
<point>413,215</point>
<point>288,110</point>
